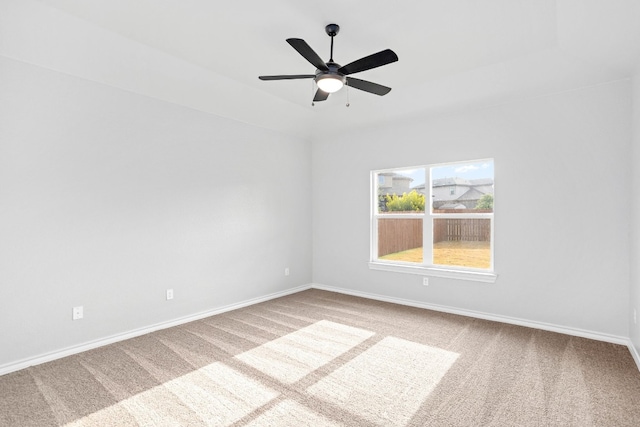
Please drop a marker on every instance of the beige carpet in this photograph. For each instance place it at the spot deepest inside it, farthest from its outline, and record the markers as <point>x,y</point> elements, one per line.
<point>317,358</point>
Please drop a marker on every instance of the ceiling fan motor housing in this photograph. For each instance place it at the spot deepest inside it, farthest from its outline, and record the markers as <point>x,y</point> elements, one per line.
<point>331,74</point>
<point>333,70</point>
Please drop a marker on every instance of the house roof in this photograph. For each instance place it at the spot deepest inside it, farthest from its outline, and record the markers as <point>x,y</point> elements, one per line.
<point>475,188</point>
<point>471,194</point>
<point>482,181</point>
<point>443,182</point>
<point>208,56</point>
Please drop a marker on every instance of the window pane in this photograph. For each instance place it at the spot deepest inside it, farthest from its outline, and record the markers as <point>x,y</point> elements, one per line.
<point>401,191</point>
<point>462,242</point>
<point>400,239</point>
<point>462,187</point>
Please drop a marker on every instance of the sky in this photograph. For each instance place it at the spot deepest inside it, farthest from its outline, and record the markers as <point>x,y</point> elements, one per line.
<point>471,170</point>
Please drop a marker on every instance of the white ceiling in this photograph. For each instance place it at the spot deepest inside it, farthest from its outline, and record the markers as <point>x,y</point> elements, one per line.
<point>454,54</point>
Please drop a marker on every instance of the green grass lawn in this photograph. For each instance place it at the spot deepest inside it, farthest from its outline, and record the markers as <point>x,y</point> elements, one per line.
<point>464,254</point>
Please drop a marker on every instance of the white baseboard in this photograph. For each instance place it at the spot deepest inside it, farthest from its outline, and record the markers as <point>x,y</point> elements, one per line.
<point>25,363</point>
<point>634,353</point>
<point>48,357</point>
<point>486,316</point>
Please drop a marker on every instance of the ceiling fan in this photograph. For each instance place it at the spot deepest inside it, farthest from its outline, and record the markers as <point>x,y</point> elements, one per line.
<point>330,76</point>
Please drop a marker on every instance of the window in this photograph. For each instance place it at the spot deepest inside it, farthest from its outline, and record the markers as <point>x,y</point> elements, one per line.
<point>434,220</point>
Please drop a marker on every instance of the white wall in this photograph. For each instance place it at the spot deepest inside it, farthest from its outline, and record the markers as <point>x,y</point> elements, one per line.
<point>108,198</point>
<point>563,196</point>
<point>634,328</point>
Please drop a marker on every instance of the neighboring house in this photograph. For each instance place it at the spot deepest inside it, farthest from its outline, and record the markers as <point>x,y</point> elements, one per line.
<point>458,193</point>
<point>393,183</point>
<point>448,193</point>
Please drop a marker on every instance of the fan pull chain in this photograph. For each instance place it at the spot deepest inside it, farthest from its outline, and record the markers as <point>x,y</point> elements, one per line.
<point>347,86</point>
<point>313,91</point>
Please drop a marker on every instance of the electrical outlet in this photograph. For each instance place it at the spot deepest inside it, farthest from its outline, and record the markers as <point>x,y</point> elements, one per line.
<point>286,271</point>
<point>635,319</point>
<point>78,312</point>
<point>169,294</point>
<point>425,281</point>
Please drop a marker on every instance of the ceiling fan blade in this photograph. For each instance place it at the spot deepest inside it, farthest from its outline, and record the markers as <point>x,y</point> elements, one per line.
<point>368,86</point>
<point>309,54</point>
<point>288,77</point>
<point>379,59</point>
<point>320,96</point>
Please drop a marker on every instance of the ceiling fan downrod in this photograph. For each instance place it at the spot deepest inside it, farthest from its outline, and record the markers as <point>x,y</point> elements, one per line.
<point>332,31</point>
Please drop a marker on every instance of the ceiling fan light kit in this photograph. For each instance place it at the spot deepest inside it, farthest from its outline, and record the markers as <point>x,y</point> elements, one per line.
<point>330,76</point>
<point>330,83</point>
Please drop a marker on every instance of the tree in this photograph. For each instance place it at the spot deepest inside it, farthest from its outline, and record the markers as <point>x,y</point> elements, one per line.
<point>485,202</point>
<point>413,201</point>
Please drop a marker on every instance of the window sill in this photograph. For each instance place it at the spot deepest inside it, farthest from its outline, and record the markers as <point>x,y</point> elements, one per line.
<point>475,276</point>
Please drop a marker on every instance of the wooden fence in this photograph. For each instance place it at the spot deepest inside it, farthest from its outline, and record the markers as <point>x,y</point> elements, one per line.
<point>467,230</point>
<point>401,234</point>
<point>398,234</point>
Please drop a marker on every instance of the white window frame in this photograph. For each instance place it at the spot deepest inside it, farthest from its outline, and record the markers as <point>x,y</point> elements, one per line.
<point>426,268</point>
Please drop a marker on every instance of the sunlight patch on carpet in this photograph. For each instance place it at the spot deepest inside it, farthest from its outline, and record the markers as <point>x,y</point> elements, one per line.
<point>387,383</point>
<point>218,394</point>
<point>295,355</point>
<point>291,414</point>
